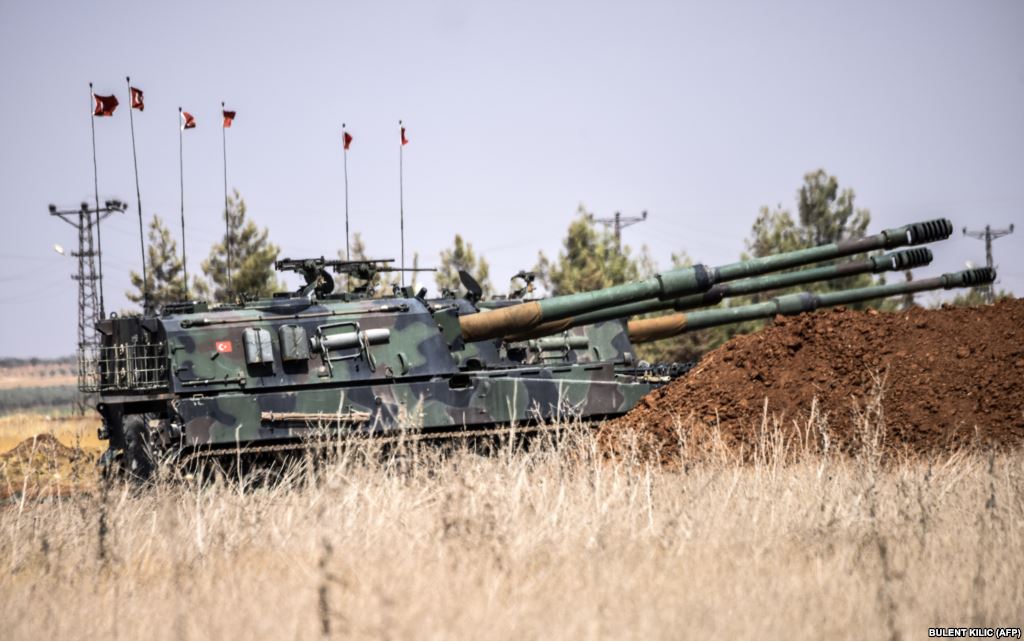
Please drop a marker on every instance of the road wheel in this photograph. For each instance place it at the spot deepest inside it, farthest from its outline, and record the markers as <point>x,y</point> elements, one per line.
<point>139,461</point>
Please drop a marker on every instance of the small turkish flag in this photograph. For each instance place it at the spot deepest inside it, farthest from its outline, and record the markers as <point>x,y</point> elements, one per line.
<point>187,121</point>
<point>347,137</point>
<point>105,105</point>
<point>137,98</point>
<point>229,116</point>
<point>224,347</point>
<point>405,141</point>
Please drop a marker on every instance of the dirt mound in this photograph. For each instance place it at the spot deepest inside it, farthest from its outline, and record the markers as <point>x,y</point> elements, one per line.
<point>935,379</point>
<point>43,465</point>
<point>44,445</point>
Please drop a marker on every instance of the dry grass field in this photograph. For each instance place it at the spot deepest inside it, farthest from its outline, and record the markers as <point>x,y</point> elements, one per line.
<point>42,456</point>
<point>553,541</point>
<point>71,431</point>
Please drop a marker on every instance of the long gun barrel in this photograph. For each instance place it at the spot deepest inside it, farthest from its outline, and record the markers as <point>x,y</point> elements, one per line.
<point>517,319</point>
<point>653,329</point>
<point>895,261</point>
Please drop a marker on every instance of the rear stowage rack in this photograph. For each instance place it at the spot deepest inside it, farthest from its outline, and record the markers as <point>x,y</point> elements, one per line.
<point>125,367</point>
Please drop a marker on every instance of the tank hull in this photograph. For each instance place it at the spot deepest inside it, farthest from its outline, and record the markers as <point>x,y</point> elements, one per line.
<point>528,396</point>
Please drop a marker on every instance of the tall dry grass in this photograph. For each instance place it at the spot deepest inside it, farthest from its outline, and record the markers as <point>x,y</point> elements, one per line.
<point>77,432</point>
<point>547,542</point>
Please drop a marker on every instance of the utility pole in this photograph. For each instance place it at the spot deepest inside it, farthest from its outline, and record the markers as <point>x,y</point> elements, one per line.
<point>89,308</point>
<point>618,222</point>
<point>988,236</point>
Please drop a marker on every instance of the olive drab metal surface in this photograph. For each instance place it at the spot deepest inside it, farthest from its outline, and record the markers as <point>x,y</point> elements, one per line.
<point>652,329</point>
<point>519,320</point>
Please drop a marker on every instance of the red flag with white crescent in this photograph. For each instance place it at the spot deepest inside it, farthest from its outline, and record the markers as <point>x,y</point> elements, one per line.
<point>229,117</point>
<point>104,105</point>
<point>187,120</point>
<point>347,138</point>
<point>136,98</point>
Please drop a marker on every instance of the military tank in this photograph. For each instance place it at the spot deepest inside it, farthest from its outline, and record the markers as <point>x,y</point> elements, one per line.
<point>198,381</point>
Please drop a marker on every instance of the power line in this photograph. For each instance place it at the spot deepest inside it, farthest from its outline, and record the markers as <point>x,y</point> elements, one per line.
<point>90,308</point>
<point>618,222</point>
<point>988,235</point>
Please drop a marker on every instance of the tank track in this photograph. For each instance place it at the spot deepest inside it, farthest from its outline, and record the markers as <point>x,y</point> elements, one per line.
<point>304,446</point>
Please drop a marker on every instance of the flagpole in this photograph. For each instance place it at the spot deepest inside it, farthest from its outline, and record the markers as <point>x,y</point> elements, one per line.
<point>401,202</point>
<point>138,197</point>
<point>181,175</point>
<point>344,144</point>
<point>96,191</point>
<point>227,224</point>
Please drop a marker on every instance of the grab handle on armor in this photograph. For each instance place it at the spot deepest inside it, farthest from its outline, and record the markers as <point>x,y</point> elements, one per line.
<point>356,337</point>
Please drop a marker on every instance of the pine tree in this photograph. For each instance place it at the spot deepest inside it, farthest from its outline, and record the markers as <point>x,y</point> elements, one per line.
<point>252,260</point>
<point>825,215</point>
<point>461,256</point>
<point>590,259</point>
<point>163,269</point>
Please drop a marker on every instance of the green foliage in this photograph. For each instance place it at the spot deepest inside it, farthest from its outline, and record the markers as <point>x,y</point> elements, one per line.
<point>590,259</point>
<point>825,214</point>
<point>461,256</point>
<point>251,260</point>
<point>163,268</point>
<point>975,297</point>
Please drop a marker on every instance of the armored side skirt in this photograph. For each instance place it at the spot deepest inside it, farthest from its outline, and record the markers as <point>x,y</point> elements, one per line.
<point>472,400</point>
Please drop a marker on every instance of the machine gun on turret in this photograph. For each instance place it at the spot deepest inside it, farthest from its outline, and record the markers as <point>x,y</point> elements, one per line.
<point>320,283</point>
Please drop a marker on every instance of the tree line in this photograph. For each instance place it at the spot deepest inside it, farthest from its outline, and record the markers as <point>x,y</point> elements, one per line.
<point>590,258</point>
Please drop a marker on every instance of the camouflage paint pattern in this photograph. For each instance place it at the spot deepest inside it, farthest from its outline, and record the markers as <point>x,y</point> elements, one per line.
<point>219,392</point>
<point>523,396</point>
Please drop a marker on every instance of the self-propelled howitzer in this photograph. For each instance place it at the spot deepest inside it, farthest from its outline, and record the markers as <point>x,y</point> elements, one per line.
<point>199,381</point>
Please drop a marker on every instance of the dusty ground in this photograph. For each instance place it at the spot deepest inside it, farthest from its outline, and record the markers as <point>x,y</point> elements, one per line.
<point>936,379</point>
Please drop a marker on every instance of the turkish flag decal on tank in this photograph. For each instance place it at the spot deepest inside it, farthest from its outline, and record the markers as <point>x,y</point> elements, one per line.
<point>224,347</point>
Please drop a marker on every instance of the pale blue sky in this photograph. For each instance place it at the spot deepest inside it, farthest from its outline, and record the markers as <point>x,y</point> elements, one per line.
<point>516,112</point>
